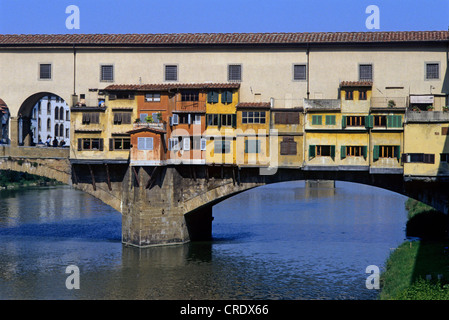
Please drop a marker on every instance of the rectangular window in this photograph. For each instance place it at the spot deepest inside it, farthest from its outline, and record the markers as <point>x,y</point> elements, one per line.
<point>45,71</point>
<point>145,143</point>
<point>253,117</point>
<point>366,72</point>
<point>432,71</point>
<point>91,118</point>
<point>173,144</point>
<point>288,146</point>
<point>212,119</point>
<point>235,72</point>
<point>355,121</point>
<point>321,151</point>
<point>362,95</point>
<point>380,121</point>
<point>226,97</point>
<point>119,144</point>
<point>171,73</point>
<point>196,119</point>
<point>222,146</point>
<point>286,118</point>
<point>252,146</point>
<point>90,144</point>
<point>299,72</point>
<point>227,120</point>
<point>418,158</point>
<point>330,120</point>
<point>152,97</point>
<point>199,143</point>
<point>349,95</point>
<point>107,73</point>
<point>190,95</point>
<point>386,152</point>
<point>444,157</point>
<point>317,120</point>
<point>353,151</point>
<point>122,118</point>
<point>394,121</point>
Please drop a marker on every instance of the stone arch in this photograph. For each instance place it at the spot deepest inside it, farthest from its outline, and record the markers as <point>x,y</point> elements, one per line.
<point>4,122</point>
<point>24,133</point>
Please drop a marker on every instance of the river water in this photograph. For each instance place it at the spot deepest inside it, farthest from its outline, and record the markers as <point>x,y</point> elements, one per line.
<point>282,241</point>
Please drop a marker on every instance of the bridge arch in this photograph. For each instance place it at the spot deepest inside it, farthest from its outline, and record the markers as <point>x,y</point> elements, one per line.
<point>35,126</point>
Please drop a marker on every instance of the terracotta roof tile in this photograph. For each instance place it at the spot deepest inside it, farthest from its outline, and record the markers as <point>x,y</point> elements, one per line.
<point>170,86</point>
<point>356,84</point>
<point>255,105</point>
<point>222,38</point>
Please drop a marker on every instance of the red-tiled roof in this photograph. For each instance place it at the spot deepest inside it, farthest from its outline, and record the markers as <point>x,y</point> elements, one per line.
<point>147,129</point>
<point>255,105</point>
<point>356,84</point>
<point>170,86</point>
<point>222,38</point>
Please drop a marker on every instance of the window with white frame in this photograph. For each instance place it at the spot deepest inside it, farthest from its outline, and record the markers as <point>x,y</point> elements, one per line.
<point>145,143</point>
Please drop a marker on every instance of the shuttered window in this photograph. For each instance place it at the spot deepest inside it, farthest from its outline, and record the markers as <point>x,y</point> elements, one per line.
<point>222,146</point>
<point>330,120</point>
<point>353,151</point>
<point>386,152</point>
<point>171,73</point>
<point>321,151</point>
<point>299,72</point>
<point>122,118</point>
<point>418,158</point>
<point>394,121</point>
<point>286,118</point>
<point>91,118</point>
<point>317,120</point>
<point>288,146</point>
<point>235,72</point>
<point>45,71</point>
<point>226,97</point>
<point>212,97</point>
<point>145,143</point>
<point>252,146</point>
<point>107,72</point>
<point>119,144</point>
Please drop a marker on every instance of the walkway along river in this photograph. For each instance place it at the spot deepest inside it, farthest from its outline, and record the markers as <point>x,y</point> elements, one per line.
<point>282,241</point>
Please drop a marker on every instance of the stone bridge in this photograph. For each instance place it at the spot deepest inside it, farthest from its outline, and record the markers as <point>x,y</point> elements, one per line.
<point>173,204</point>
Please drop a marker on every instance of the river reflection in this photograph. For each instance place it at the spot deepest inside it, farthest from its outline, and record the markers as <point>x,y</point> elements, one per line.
<point>276,242</point>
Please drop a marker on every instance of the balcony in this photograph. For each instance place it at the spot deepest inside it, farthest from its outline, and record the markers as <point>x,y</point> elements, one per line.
<point>426,116</point>
<point>389,103</point>
<point>190,106</point>
<point>322,104</point>
<point>150,125</point>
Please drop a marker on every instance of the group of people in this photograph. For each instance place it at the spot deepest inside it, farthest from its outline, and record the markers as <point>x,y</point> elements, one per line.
<point>50,143</point>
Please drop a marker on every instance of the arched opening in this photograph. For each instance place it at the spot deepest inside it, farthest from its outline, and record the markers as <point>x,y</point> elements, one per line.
<point>37,119</point>
<point>4,123</point>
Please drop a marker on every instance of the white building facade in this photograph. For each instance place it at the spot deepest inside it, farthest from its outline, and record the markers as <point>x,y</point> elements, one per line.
<point>51,119</point>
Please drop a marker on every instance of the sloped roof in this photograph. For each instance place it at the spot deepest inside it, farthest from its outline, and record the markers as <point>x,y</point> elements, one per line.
<point>222,38</point>
<point>170,86</point>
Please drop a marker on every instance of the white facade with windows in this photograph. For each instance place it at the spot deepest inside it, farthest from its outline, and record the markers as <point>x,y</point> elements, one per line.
<point>51,118</point>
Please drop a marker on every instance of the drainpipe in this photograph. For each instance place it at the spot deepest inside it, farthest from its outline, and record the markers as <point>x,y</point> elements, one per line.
<point>308,67</point>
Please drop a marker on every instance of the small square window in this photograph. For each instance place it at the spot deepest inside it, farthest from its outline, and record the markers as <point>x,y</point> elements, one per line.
<point>45,71</point>
<point>171,73</point>
<point>432,71</point>
<point>107,73</point>
<point>235,72</point>
<point>299,72</point>
<point>366,72</point>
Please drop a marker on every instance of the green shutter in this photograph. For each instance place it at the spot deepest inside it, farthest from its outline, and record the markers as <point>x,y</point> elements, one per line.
<point>311,152</point>
<point>399,121</point>
<point>234,121</point>
<point>246,146</point>
<point>214,96</point>
<point>364,151</point>
<point>397,152</point>
<point>369,121</point>
<point>229,97</point>
<point>209,96</point>
<point>390,121</point>
<point>330,120</point>
<point>333,152</point>
<point>343,122</point>
<point>376,153</point>
<point>343,152</point>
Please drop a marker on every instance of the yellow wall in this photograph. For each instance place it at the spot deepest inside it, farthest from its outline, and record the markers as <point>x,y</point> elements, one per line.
<point>426,138</point>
